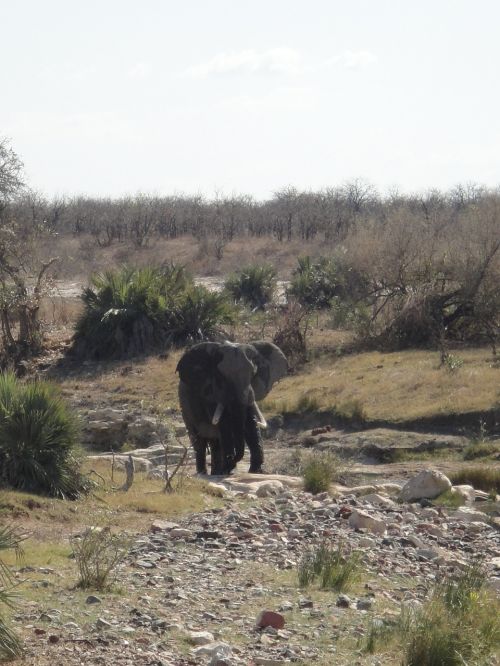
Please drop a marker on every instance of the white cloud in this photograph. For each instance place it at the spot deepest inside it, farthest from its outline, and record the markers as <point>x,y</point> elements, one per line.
<point>141,70</point>
<point>351,59</point>
<point>277,60</point>
<point>250,61</point>
<point>66,72</point>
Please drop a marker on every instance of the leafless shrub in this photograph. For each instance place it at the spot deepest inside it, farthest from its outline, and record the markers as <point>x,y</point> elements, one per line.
<point>291,332</point>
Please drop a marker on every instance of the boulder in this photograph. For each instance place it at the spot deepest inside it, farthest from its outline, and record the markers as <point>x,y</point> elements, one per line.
<point>362,520</point>
<point>467,493</point>
<point>428,484</point>
<point>270,619</point>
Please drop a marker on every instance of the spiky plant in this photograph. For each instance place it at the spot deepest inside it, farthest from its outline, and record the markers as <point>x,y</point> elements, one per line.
<point>38,438</point>
<point>137,310</point>
<point>10,645</point>
<point>198,314</point>
<point>253,285</point>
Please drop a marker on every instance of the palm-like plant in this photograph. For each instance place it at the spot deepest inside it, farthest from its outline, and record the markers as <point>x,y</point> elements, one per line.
<point>198,314</point>
<point>38,437</point>
<point>254,285</point>
<point>10,645</point>
<point>135,310</point>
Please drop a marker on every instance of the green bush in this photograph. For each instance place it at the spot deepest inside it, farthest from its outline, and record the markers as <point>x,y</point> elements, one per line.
<point>318,471</point>
<point>132,311</point>
<point>334,569</point>
<point>321,283</point>
<point>38,437</point>
<point>254,285</point>
<point>198,314</point>
<point>10,645</point>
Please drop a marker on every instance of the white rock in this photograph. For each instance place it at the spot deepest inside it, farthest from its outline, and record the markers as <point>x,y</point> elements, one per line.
<point>212,650</point>
<point>362,520</point>
<point>268,488</point>
<point>379,500</point>
<point>469,515</point>
<point>467,493</point>
<point>428,484</point>
<point>201,637</point>
<point>180,533</point>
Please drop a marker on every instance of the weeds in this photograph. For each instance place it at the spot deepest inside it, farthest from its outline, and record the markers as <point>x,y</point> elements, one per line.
<point>331,567</point>
<point>451,362</point>
<point>318,471</point>
<point>98,553</point>
<point>482,478</point>
<point>459,624</point>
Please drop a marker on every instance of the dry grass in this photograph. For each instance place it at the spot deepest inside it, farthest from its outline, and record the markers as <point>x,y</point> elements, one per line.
<point>399,386</point>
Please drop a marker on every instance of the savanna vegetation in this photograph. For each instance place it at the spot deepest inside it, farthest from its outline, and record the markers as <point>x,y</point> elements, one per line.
<point>387,306</point>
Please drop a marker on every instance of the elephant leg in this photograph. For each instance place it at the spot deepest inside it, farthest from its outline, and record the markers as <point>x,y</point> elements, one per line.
<point>200,449</point>
<point>215,457</point>
<point>254,441</point>
<point>227,449</point>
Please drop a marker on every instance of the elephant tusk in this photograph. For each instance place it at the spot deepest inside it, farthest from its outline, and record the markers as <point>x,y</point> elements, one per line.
<point>218,413</point>
<point>261,421</point>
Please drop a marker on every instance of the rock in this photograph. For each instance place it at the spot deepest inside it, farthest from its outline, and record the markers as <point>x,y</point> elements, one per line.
<point>101,623</point>
<point>426,553</point>
<point>467,514</point>
<point>379,500</point>
<point>180,533</point>
<point>270,619</point>
<point>364,604</point>
<point>213,650</point>
<point>428,484</point>
<point>201,637</point>
<point>268,488</point>
<point>362,520</point>
<point>162,526</point>
<point>305,603</point>
<point>92,599</point>
<point>343,601</point>
<point>140,464</point>
<point>467,493</point>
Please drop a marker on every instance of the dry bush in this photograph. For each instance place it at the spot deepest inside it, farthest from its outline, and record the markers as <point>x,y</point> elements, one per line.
<point>291,333</point>
<point>98,553</point>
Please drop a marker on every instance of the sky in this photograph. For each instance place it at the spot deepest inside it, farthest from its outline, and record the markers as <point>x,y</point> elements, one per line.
<point>114,97</point>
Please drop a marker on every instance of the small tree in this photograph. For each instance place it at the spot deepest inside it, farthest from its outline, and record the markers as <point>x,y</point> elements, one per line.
<point>23,276</point>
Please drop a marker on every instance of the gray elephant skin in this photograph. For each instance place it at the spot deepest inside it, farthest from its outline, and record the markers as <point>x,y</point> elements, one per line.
<point>219,385</point>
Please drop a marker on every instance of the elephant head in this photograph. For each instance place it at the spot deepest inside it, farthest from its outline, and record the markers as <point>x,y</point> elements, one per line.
<point>218,389</point>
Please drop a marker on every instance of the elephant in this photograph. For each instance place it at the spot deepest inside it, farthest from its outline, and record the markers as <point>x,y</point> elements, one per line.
<point>219,385</point>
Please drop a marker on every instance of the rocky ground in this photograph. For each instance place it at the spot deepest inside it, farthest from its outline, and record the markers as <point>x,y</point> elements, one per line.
<point>195,590</point>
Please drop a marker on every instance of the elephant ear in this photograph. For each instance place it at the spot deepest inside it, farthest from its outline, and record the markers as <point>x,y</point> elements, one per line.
<point>196,366</point>
<point>271,366</point>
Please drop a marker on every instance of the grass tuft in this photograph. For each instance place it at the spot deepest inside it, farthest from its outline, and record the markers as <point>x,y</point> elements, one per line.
<point>319,470</point>
<point>331,567</point>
